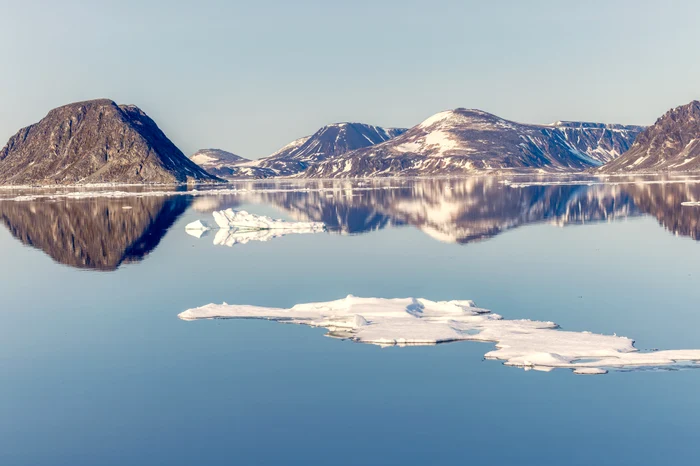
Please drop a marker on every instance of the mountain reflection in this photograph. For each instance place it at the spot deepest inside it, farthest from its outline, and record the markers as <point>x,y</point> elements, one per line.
<point>97,233</point>
<point>468,210</point>
<point>101,233</point>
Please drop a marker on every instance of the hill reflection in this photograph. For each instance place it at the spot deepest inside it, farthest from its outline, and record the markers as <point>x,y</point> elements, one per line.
<point>99,233</point>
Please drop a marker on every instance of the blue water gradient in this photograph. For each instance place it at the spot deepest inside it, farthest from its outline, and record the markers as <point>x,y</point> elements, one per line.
<point>97,368</point>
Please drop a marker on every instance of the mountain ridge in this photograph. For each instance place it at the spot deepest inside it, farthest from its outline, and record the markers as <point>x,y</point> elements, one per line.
<point>671,144</point>
<point>467,141</point>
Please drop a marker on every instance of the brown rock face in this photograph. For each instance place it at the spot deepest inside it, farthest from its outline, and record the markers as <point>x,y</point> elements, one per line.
<point>672,144</point>
<point>95,141</point>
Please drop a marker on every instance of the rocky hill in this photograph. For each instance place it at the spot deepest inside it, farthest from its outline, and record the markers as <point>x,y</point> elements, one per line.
<point>672,144</point>
<point>95,141</point>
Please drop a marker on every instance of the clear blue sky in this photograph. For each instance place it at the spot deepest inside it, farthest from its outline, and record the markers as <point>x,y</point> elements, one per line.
<point>251,76</point>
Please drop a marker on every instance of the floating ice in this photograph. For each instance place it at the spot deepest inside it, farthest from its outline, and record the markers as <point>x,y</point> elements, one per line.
<point>198,225</point>
<point>242,220</point>
<point>197,228</point>
<point>523,343</point>
<point>240,227</point>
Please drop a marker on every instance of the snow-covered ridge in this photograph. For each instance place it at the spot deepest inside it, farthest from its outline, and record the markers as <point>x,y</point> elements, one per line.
<point>216,158</point>
<point>410,321</point>
<point>466,141</point>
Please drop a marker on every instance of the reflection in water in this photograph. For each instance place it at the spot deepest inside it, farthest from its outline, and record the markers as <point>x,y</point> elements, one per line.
<point>102,233</point>
<point>467,210</point>
<point>97,233</point>
<point>664,203</point>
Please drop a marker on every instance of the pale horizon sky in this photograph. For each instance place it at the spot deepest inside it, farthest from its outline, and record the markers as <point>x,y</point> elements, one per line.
<point>250,77</point>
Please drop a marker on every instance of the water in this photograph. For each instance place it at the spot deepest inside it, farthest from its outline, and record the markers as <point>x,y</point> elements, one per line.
<point>97,368</point>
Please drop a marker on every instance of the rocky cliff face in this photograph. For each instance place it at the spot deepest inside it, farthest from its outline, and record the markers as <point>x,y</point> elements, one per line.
<point>95,141</point>
<point>672,144</point>
<point>99,234</point>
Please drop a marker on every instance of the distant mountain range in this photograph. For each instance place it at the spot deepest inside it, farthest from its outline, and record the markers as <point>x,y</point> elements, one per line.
<point>294,158</point>
<point>99,141</point>
<point>670,144</point>
<point>95,141</point>
<point>229,165</point>
<point>326,143</point>
<point>463,141</point>
<point>455,142</point>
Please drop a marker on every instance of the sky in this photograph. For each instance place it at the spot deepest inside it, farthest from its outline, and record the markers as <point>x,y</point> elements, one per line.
<point>249,77</point>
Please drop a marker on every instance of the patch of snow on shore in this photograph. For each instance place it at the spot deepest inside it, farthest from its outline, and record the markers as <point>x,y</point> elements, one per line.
<point>411,321</point>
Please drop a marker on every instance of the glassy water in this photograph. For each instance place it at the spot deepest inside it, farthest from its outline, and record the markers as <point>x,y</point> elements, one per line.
<point>97,368</point>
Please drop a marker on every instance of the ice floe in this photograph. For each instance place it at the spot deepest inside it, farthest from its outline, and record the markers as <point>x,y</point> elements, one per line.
<point>240,227</point>
<point>527,344</point>
<point>242,220</point>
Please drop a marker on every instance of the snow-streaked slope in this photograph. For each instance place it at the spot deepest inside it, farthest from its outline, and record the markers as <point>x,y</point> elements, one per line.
<point>672,144</point>
<point>215,158</point>
<point>329,141</point>
<point>522,343</point>
<point>229,165</point>
<point>465,141</point>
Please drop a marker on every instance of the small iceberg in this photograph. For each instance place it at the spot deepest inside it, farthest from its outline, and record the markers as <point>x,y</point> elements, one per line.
<point>528,344</point>
<point>240,227</point>
<point>199,225</point>
<point>241,220</point>
<point>197,229</point>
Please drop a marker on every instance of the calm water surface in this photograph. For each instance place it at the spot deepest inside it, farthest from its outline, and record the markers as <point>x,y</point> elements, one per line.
<point>97,368</point>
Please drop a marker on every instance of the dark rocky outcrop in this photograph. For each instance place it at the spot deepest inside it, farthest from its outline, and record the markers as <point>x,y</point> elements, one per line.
<point>95,141</point>
<point>672,144</point>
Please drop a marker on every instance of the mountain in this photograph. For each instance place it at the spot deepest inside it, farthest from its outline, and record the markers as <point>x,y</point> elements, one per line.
<point>670,144</point>
<point>464,141</point>
<point>96,141</point>
<point>215,158</point>
<point>229,165</point>
<point>99,234</point>
<point>329,141</point>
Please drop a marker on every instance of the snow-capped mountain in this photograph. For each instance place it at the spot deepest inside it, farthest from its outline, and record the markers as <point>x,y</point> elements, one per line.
<point>670,144</point>
<point>215,158</point>
<point>329,141</point>
<point>229,165</point>
<point>465,141</point>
